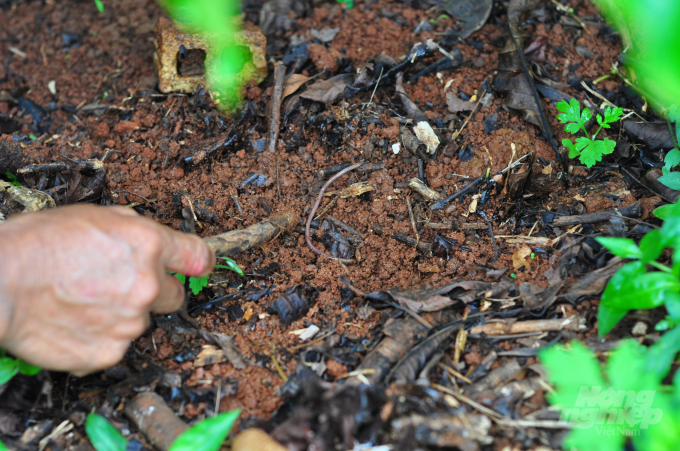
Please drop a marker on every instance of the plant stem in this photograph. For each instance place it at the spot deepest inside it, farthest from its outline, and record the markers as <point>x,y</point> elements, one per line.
<point>661,267</point>
<point>673,135</point>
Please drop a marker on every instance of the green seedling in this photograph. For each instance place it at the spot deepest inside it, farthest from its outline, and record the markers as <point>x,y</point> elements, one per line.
<point>627,400</point>
<point>206,435</point>
<point>589,150</point>
<point>633,286</point>
<point>12,179</point>
<point>2,446</point>
<point>100,6</point>
<point>9,368</point>
<point>441,16</point>
<point>196,284</point>
<point>672,159</point>
<point>103,435</point>
<point>349,3</point>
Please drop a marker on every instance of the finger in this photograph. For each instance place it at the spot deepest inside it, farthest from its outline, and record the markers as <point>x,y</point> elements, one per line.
<point>125,211</point>
<point>130,329</point>
<point>171,296</point>
<point>186,254</point>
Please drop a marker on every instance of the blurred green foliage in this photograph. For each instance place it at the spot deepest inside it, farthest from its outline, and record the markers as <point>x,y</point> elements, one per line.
<point>216,21</point>
<point>651,40</point>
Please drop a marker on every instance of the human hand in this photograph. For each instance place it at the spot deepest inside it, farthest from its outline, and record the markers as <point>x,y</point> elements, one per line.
<point>77,283</point>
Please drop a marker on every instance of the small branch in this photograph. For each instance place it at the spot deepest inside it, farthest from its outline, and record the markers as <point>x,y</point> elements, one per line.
<point>275,112</point>
<point>241,240</point>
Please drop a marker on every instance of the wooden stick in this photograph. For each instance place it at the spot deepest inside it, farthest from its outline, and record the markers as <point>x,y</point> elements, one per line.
<point>574,323</point>
<point>275,112</point>
<point>241,240</point>
<point>632,211</point>
<point>155,420</point>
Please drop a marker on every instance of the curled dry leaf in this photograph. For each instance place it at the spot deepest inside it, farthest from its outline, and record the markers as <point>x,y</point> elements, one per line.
<point>354,190</point>
<point>456,104</point>
<point>426,134</point>
<point>519,258</point>
<point>293,83</point>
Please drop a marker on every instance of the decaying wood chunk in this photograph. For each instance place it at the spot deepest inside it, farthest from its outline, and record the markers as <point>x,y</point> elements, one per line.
<point>170,41</point>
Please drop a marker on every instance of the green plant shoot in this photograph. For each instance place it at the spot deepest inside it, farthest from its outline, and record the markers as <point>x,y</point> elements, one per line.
<point>672,159</point>
<point>100,6</point>
<point>651,38</point>
<point>196,284</point>
<point>10,367</point>
<point>589,150</point>
<point>633,286</point>
<point>208,435</point>
<point>349,3</point>
<point>217,22</point>
<point>12,179</point>
<point>103,435</point>
<point>627,397</point>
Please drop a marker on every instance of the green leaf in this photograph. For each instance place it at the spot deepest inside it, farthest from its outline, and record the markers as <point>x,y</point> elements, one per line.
<point>198,283</point>
<point>634,288</point>
<point>663,212</point>
<point>651,246</point>
<point>207,435</point>
<point>571,112</point>
<point>12,179</point>
<point>103,435</point>
<point>621,247</point>
<point>573,153</point>
<point>27,369</point>
<point>671,160</point>
<point>661,354</point>
<point>671,180</point>
<point>8,369</point>
<point>602,123</point>
<point>181,277</point>
<point>594,150</point>
<point>232,265</point>
<point>607,318</point>
<point>612,115</point>
<point>2,446</point>
<point>673,305</point>
<point>582,142</point>
<point>100,6</point>
<point>573,127</point>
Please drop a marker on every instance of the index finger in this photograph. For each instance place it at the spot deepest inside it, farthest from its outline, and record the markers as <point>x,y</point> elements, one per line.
<point>186,254</point>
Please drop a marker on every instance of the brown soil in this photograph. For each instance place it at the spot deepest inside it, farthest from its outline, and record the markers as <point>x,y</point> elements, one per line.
<point>151,136</point>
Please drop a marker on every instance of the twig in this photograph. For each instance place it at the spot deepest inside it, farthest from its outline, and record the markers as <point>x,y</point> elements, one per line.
<point>240,240</point>
<point>275,112</point>
<point>442,203</point>
<point>278,182</point>
<point>537,99</point>
<point>574,323</point>
<point>472,113</point>
<point>374,89</point>
<point>308,238</point>
<point>493,238</point>
<point>413,219</point>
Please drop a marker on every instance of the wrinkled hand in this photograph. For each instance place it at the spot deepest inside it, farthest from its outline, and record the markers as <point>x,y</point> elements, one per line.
<point>77,283</point>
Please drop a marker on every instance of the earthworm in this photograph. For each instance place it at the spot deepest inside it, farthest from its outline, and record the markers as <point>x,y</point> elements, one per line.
<point>308,238</point>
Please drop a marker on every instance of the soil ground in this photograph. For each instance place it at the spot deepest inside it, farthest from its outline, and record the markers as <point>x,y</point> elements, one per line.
<point>107,60</point>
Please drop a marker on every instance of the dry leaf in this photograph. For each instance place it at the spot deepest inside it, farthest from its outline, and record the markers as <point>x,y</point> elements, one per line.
<point>519,258</point>
<point>209,355</point>
<point>426,134</point>
<point>293,83</point>
<point>354,190</point>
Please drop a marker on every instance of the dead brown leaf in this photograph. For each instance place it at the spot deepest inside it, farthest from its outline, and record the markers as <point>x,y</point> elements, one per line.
<point>519,258</point>
<point>293,83</point>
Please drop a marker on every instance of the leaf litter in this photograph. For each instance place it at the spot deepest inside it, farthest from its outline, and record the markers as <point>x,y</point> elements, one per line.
<point>403,315</point>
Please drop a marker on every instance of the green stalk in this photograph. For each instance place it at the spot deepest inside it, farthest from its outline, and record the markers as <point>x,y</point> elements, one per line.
<point>661,267</point>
